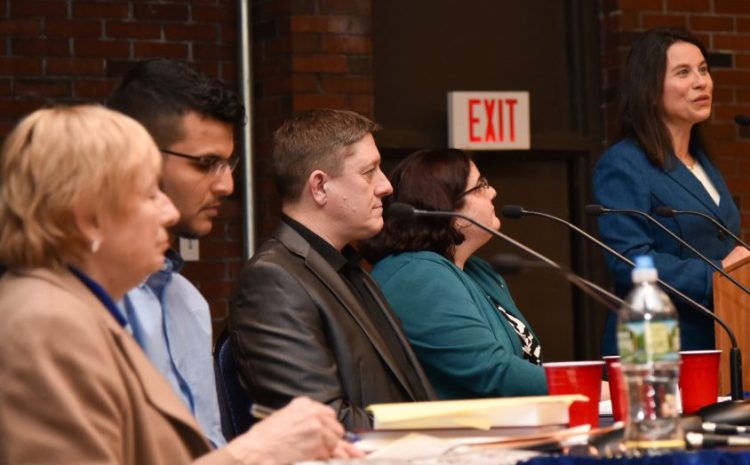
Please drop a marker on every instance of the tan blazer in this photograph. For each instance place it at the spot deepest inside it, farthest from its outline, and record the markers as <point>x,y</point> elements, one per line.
<point>75,388</point>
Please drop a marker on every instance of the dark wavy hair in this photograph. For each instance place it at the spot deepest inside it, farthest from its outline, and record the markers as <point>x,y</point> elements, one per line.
<point>642,90</point>
<point>428,180</point>
<point>158,92</point>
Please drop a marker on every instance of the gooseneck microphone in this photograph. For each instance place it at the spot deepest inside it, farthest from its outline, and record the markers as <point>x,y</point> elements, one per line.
<point>598,210</point>
<point>667,212</point>
<point>735,354</point>
<point>403,211</point>
<point>511,263</point>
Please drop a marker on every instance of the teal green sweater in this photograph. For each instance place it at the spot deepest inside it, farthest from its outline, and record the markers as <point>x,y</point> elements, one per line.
<point>467,348</point>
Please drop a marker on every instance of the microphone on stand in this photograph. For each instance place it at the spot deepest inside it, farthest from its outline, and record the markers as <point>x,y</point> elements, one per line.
<point>735,355</point>
<point>705,420</point>
<point>598,210</point>
<point>667,212</point>
<point>511,263</point>
<point>403,211</point>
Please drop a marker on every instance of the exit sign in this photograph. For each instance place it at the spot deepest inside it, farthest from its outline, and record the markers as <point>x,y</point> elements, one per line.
<point>488,120</point>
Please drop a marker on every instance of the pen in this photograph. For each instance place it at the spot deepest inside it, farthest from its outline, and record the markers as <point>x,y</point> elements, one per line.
<point>261,411</point>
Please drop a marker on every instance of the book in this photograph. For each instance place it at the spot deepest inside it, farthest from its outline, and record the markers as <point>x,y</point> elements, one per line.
<point>481,414</point>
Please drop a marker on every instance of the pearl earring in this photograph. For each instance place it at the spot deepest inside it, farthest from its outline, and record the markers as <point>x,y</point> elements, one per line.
<point>95,244</point>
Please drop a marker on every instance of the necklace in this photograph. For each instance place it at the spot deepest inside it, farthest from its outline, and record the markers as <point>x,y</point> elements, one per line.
<point>689,161</point>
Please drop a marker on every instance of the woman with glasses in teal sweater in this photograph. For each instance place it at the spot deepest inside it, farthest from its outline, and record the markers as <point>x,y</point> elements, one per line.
<point>457,312</point>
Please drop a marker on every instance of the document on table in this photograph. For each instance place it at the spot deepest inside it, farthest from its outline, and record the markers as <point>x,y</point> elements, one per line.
<point>473,457</point>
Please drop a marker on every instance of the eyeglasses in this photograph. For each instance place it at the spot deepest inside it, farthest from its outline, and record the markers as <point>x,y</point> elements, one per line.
<point>482,183</point>
<point>211,164</point>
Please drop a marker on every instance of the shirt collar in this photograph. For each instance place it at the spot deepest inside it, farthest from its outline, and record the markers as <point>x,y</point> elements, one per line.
<point>177,262</point>
<point>173,263</point>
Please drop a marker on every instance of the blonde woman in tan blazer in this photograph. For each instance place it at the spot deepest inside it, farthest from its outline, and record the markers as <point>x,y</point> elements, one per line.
<point>82,220</point>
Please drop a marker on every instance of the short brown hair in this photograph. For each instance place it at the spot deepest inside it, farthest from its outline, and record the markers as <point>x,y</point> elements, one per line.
<point>311,140</point>
<point>57,158</point>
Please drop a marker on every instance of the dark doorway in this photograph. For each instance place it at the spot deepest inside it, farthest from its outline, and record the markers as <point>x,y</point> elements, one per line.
<point>426,48</point>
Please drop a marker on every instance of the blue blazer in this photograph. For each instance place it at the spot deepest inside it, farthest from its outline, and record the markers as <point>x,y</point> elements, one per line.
<point>625,178</point>
<point>467,348</point>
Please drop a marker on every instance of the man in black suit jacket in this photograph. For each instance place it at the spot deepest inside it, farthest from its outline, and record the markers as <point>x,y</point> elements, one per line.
<point>306,319</point>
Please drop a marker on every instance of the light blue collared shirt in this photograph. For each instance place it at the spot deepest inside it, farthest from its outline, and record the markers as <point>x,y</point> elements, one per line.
<point>171,321</point>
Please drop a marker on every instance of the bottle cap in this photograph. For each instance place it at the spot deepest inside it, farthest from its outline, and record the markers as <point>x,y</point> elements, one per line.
<point>644,269</point>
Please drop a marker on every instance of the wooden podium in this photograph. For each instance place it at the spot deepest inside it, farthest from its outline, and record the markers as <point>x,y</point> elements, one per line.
<point>732,305</point>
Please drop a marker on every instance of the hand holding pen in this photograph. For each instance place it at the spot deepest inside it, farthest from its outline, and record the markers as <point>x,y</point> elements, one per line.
<point>303,430</point>
<point>260,412</point>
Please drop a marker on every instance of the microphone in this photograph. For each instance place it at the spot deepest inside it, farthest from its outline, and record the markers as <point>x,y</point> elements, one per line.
<point>598,210</point>
<point>735,355</point>
<point>667,212</point>
<point>401,210</point>
<point>511,263</point>
<point>742,120</point>
<point>717,417</point>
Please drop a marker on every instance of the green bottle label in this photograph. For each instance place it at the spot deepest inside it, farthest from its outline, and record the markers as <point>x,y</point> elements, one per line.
<point>642,342</point>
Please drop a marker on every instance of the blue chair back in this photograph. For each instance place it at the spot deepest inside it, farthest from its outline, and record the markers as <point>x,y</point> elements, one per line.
<point>234,402</point>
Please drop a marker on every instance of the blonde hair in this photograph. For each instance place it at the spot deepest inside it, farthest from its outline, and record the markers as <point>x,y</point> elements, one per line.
<point>58,158</point>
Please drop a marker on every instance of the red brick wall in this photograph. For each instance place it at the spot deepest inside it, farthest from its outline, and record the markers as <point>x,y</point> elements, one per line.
<point>73,50</point>
<point>724,27</point>
<point>307,54</point>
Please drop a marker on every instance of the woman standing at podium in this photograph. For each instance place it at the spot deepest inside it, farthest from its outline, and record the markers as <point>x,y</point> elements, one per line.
<point>665,93</point>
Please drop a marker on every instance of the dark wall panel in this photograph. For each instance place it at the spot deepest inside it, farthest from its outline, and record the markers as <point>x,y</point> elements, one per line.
<point>425,48</point>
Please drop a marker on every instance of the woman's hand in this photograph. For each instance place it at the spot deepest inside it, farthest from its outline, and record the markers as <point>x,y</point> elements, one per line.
<point>737,254</point>
<point>302,430</point>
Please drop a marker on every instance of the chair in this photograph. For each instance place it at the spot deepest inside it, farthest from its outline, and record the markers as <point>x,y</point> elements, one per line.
<point>234,403</point>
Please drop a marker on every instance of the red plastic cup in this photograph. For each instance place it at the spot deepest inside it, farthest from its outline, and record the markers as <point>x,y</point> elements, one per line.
<point>699,379</point>
<point>618,390</point>
<point>577,378</point>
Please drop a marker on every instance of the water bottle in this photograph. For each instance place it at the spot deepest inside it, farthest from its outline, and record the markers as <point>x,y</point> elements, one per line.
<point>648,339</point>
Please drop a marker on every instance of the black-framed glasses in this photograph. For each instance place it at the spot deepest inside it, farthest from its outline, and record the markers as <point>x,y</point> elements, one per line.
<point>211,164</point>
<point>482,183</point>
